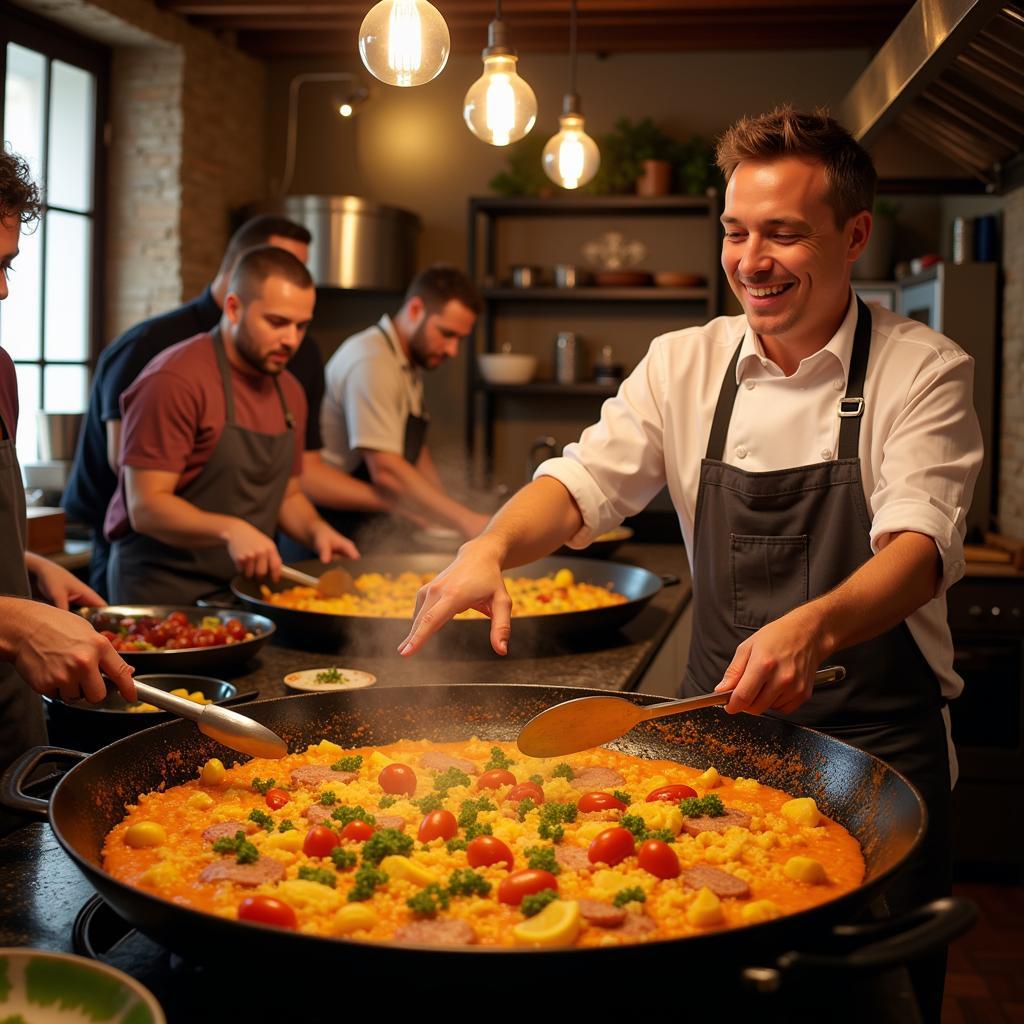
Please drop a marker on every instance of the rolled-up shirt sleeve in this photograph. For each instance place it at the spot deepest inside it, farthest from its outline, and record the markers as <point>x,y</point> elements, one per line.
<point>618,465</point>
<point>931,460</point>
<point>373,401</point>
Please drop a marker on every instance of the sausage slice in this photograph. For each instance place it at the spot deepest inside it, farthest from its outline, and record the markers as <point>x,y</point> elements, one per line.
<point>721,883</point>
<point>604,915</point>
<point>227,829</point>
<point>447,932</point>
<point>317,774</point>
<point>572,858</point>
<point>266,869</point>
<point>596,778</point>
<point>437,761</point>
<point>731,819</point>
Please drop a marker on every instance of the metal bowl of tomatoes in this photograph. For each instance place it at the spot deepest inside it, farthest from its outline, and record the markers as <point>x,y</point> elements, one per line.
<point>167,638</point>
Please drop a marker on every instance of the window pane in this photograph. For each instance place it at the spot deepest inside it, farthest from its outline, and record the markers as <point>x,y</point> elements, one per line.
<point>28,399</point>
<point>20,314</point>
<point>68,286</point>
<point>69,165</point>
<point>24,102</point>
<point>64,388</point>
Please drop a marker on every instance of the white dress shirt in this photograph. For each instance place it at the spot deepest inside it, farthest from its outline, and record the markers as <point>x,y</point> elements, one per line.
<point>920,443</point>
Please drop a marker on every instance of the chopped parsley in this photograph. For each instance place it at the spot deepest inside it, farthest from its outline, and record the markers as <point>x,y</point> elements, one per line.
<point>709,806</point>
<point>343,859</point>
<point>563,770</point>
<point>538,779</point>
<point>345,814</point>
<point>499,759</point>
<point>455,844</point>
<point>431,802</point>
<point>551,817</point>
<point>384,843</point>
<point>622,797</point>
<point>634,894</point>
<point>478,829</point>
<point>450,778</point>
<point>348,764</point>
<point>467,882</point>
<point>328,797</point>
<point>542,857</point>
<point>321,875</point>
<point>387,800</point>
<point>640,831</point>
<point>329,675</point>
<point>262,819</point>
<point>469,809</point>
<point>524,808</point>
<point>428,901</point>
<point>262,785</point>
<point>537,901</point>
<point>367,879</point>
<point>286,826</point>
<point>244,851</point>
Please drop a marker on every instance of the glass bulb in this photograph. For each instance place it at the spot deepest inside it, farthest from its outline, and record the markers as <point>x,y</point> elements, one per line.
<point>500,107</point>
<point>345,110</point>
<point>404,42</point>
<point>571,157</point>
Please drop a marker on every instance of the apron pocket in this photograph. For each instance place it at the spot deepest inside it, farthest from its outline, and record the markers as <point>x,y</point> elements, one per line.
<point>769,577</point>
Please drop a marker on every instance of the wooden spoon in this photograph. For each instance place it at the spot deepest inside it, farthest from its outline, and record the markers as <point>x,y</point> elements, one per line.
<point>587,722</point>
<point>333,583</point>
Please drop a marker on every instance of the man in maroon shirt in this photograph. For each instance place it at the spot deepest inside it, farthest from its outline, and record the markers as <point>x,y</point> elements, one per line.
<point>211,448</point>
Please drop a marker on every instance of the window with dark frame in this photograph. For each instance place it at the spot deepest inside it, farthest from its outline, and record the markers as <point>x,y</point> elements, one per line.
<point>52,112</point>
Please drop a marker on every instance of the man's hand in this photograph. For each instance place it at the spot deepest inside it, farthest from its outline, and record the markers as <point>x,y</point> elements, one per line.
<point>774,669</point>
<point>60,653</point>
<point>253,552</point>
<point>327,542</point>
<point>473,580</point>
<point>60,587</point>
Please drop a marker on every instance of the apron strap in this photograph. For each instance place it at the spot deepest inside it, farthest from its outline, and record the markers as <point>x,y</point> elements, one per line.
<point>723,410</point>
<point>851,405</point>
<point>229,396</point>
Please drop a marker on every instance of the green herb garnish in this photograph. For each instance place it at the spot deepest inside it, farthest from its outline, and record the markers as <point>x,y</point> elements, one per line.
<point>537,901</point>
<point>542,857</point>
<point>345,814</point>
<point>367,878</point>
<point>262,819</point>
<point>384,843</point>
<point>449,779</point>
<point>348,764</point>
<point>709,806</point>
<point>343,859</point>
<point>328,797</point>
<point>563,770</point>
<point>499,759</point>
<point>634,894</point>
<point>329,675</point>
<point>262,785</point>
<point>428,901</point>
<point>244,851</point>
<point>286,826</point>
<point>321,875</point>
<point>467,882</point>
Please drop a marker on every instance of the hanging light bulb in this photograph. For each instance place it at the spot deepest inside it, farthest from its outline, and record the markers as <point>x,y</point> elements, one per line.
<point>404,42</point>
<point>499,107</point>
<point>571,157</point>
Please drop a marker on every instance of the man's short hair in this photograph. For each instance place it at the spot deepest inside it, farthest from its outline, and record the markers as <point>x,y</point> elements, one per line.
<point>256,265</point>
<point>439,284</point>
<point>19,194</point>
<point>258,231</point>
<point>849,171</point>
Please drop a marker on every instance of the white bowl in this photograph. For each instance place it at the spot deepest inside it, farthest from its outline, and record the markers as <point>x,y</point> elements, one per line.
<point>506,367</point>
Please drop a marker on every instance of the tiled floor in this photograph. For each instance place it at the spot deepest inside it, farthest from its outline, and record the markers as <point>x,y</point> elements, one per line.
<point>985,976</point>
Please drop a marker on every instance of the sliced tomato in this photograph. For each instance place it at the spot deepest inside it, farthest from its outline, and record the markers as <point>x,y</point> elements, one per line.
<point>235,629</point>
<point>673,794</point>
<point>612,846</point>
<point>526,790</point>
<point>357,831</point>
<point>486,850</point>
<point>396,779</point>
<point>319,842</point>
<point>658,858</point>
<point>267,910</point>
<point>496,778</point>
<point>599,802</point>
<point>277,798</point>
<point>439,824</point>
<point>524,883</point>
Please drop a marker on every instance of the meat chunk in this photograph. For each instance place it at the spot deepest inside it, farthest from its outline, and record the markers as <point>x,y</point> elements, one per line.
<point>436,761</point>
<point>447,932</point>
<point>731,819</point>
<point>390,821</point>
<point>604,915</point>
<point>637,924</point>
<point>227,829</point>
<point>317,814</point>
<point>721,883</point>
<point>596,778</point>
<point>572,858</point>
<point>266,869</point>
<point>317,774</point>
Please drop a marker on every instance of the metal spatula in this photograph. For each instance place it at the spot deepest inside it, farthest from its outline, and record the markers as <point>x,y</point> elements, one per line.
<point>227,727</point>
<point>588,722</point>
<point>333,583</point>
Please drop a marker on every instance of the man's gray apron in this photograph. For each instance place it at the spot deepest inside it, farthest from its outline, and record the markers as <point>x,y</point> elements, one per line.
<point>414,437</point>
<point>765,543</point>
<point>21,709</point>
<point>246,477</point>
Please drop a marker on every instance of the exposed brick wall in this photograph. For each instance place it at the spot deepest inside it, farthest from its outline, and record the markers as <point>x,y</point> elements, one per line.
<point>1011,467</point>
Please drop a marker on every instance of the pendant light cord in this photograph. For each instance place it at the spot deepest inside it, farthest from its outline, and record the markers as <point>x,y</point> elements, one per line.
<point>497,10</point>
<point>572,46</point>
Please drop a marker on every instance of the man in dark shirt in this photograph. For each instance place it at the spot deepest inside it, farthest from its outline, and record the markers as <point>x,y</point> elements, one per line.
<point>93,478</point>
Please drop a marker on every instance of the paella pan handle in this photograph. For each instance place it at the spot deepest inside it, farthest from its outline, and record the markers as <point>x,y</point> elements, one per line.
<point>878,945</point>
<point>12,791</point>
<point>669,579</point>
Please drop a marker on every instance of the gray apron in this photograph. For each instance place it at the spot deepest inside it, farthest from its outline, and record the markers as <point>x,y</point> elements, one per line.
<point>21,709</point>
<point>246,477</point>
<point>765,543</point>
<point>414,437</point>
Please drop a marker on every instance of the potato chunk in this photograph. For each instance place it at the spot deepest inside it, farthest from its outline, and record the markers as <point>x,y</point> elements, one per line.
<point>802,811</point>
<point>805,869</point>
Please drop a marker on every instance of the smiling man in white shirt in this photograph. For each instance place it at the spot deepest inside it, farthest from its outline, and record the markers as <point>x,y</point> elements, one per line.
<point>821,457</point>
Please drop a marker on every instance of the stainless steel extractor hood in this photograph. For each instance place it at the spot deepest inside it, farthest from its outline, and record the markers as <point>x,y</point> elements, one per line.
<point>952,76</point>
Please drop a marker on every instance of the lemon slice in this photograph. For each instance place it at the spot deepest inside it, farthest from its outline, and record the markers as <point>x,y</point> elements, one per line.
<point>557,924</point>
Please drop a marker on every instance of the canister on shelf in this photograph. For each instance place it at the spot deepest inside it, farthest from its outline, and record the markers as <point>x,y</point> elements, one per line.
<point>567,357</point>
<point>963,239</point>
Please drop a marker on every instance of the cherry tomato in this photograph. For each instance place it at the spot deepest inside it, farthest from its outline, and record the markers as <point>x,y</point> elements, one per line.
<point>201,638</point>
<point>357,831</point>
<point>600,802</point>
<point>438,825</point>
<point>220,636</point>
<point>320,840</point>
<point>179,617</point>
<point>671,793</point>
<point>397,778</point>
<point>524,790</point>
<point>611,846</point>
<point>494,778</point>
<point>524,883</point>
<point>267,910</point>
<point>276,799</point>
<point>486,850</point>
<point>235,629</point>
<point>658,858</point>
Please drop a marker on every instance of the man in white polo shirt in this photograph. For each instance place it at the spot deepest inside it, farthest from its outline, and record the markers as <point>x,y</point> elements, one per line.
<point>374,420</point>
